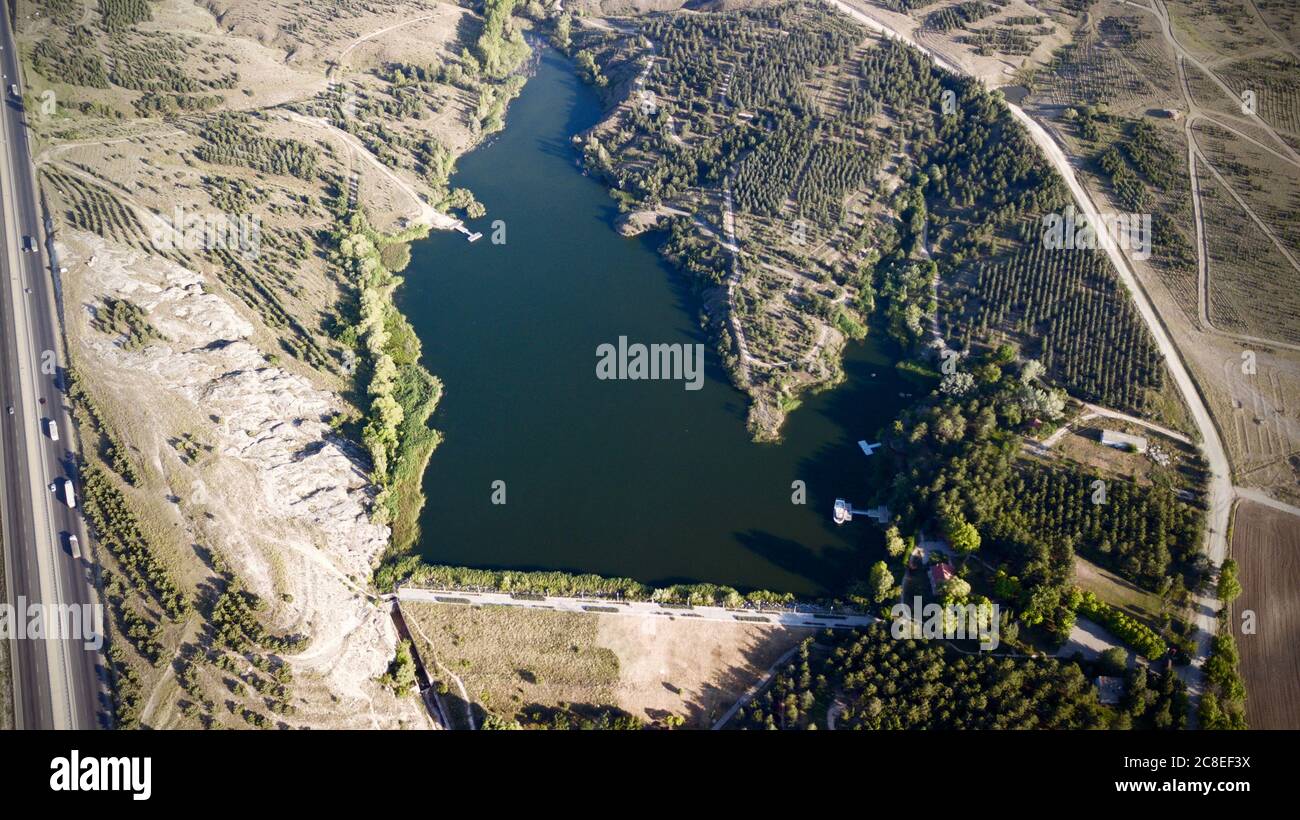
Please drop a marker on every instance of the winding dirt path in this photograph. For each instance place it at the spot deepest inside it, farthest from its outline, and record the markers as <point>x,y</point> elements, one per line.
<point>752,692</point>
<point>341,62</point>
<point>422,213</point>
<point>469,704</point>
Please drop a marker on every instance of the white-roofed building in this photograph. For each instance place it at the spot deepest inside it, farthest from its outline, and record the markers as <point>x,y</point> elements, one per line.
<point>1123,441</point>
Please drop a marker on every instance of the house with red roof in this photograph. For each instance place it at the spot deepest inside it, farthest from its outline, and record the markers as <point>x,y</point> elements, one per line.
<point>939,575</point>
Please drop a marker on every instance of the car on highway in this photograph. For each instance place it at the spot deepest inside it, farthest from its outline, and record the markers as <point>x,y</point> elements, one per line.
<point>13,89</point>
<point>11,409</point>
<point>29,244</point>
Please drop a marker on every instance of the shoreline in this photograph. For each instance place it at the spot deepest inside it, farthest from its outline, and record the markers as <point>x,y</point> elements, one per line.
<point>399,563</point>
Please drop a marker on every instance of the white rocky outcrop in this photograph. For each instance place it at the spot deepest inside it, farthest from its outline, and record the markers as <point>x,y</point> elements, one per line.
<point>275,492</point>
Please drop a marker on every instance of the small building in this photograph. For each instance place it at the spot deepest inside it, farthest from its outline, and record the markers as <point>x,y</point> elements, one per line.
<point>1109,689</point>
<point>1123,441</point>
<point>939,575</point>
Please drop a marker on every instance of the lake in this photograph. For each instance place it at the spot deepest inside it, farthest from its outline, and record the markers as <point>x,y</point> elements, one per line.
<point>643,479</point>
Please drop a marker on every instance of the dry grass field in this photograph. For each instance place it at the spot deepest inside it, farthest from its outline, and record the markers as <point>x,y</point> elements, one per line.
<point>1116,57</point>
<point>1266,544</point>
<point>1082,446</point>
<point>1119,593</point>
<point>996,45</point>
<point>1211,28</point>
<point>509,659</point>
<point>1252,285</point>
<point>1282,16</point>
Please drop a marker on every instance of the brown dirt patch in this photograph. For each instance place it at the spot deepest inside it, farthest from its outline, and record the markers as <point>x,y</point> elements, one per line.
<point>1266,543</point>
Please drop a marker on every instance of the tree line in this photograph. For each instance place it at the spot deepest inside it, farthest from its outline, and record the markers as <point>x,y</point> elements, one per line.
<point>876,681</point>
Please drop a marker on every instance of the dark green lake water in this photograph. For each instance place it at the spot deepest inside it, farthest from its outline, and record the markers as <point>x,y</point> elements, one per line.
<point>630,478</point>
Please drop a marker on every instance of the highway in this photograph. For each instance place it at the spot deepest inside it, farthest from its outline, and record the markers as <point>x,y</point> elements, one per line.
<point>57,682</point>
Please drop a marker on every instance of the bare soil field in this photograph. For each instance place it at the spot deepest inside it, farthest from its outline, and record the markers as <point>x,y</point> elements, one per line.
<point>997,46</point>
<point>511,659</point>
<point>1258,414</point>
<point>1266,544</point>
<point>1082,445</point>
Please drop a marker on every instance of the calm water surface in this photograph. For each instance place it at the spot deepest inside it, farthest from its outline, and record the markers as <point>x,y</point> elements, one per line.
<point>630,478</point>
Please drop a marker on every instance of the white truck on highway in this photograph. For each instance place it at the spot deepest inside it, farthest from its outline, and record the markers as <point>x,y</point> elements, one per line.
<point>69,493</point>
<point>74,546</point>
<point>52,428</point>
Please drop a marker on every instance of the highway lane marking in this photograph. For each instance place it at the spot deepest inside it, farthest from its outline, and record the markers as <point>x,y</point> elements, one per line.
<point>45,550</point>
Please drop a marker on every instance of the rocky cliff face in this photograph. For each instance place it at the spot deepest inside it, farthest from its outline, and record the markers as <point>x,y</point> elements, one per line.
<point>281,498</point>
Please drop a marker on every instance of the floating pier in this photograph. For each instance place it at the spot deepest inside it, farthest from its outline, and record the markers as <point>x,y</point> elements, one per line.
<point>844,512</point>
<point>470,236</point>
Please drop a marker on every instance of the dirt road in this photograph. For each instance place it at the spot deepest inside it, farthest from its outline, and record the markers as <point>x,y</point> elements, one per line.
<point>1220,491</point>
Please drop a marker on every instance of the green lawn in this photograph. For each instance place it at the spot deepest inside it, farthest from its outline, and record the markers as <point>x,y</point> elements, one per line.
<point>1114,590</point>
